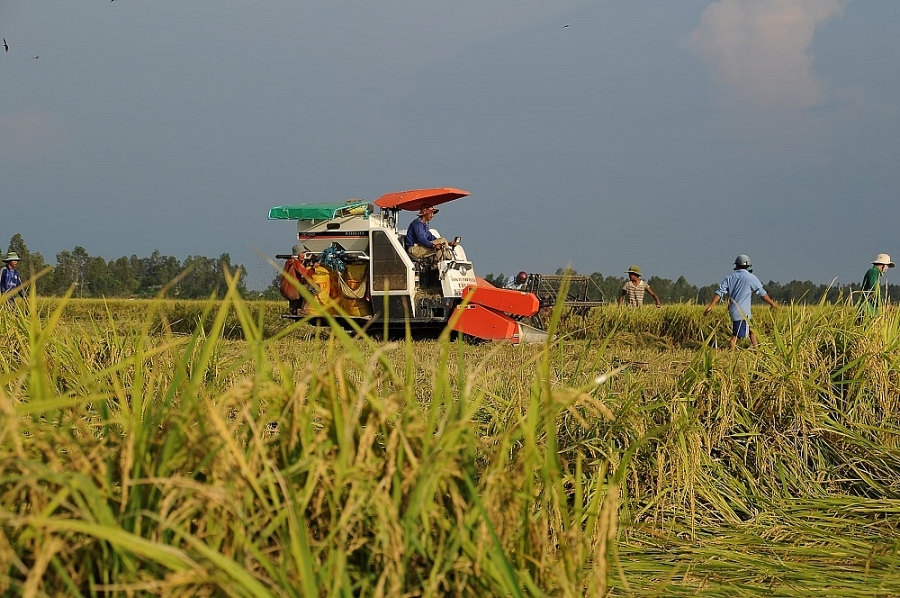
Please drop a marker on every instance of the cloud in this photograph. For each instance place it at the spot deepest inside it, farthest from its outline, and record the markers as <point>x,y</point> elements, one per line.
<point>759,49</point>
<point>29,134</point>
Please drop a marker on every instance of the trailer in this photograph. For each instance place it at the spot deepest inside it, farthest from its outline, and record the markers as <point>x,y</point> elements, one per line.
<point>352,259</point>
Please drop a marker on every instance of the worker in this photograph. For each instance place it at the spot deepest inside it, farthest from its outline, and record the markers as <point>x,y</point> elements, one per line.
<point>9,276</point>
<point>871,289</point>
<point>421,243</point>
<point>295,274</point>
<point>634,289</point>
<point>740,286</point>
<point>517,282</point>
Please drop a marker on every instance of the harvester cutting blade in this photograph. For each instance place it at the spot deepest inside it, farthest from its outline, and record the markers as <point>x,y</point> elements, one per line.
<point>531,335</point>
<point>489,324</point>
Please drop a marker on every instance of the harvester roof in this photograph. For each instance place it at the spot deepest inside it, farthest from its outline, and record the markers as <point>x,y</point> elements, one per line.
<point>415,199</point>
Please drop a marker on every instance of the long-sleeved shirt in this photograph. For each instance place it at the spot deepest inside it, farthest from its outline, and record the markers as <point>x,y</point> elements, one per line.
<point>740,286</point>
<point>418,233</point>
<point>871,291</point>
<point>9,279</point>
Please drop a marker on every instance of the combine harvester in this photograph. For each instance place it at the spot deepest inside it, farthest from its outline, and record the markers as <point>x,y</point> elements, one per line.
<point>355,264</point>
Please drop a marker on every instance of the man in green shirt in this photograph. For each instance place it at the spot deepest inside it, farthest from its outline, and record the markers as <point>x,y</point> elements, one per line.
<point>871,288</point>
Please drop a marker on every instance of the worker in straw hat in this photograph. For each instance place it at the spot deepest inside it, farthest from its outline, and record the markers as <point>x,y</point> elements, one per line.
<point>9,276</point>
<point>871,287</point>
<point>634,289</point>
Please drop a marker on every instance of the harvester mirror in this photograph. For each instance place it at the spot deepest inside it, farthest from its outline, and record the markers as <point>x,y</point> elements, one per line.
<point>457,239</point>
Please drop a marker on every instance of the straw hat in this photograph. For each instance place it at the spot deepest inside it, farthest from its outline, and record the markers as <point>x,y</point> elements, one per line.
<point>883,258</point>
<point>12,256</point>
<point>634,270</point>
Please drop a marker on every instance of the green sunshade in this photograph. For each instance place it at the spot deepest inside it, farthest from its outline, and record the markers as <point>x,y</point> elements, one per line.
<point>318,211</point>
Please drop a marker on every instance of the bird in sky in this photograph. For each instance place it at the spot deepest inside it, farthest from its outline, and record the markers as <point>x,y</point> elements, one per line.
<point>564,26</point>
<point>36,57</point>
<point>5,45</point>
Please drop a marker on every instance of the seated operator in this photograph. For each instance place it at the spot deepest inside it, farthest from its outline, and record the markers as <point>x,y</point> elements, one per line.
<point>420,243</point>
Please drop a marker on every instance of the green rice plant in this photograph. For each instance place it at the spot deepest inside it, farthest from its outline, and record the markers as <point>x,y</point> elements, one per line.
<point>628,456</point>
<point>149,461</point>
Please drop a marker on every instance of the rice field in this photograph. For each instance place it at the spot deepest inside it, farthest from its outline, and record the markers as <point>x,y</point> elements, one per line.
<point>211,449</point>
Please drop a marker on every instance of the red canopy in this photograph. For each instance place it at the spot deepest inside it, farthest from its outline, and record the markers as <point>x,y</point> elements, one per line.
<point>415,199</point>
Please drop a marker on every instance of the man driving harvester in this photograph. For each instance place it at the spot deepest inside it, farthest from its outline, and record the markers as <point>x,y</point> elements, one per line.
<point>421,244</point>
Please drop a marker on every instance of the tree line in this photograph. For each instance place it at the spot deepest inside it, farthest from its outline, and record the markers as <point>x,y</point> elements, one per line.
<point>607,288</point>
<point>144,277</point>
<point>94,276</point>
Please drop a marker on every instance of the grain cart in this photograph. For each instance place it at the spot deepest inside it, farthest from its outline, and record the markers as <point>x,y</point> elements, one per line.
<point>352,257</point>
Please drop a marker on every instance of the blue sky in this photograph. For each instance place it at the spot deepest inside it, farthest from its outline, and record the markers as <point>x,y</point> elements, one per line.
<point>673,135</point>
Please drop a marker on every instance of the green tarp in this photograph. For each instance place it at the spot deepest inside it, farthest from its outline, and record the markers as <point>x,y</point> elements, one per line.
<point>318,211</point>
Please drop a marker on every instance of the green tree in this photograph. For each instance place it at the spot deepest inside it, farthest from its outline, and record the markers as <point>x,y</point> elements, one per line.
<point>201,278</point>
<point>683,291</point>
<point>156,271</point>
<point>273,291</point>
<point>224,264</point>
<point>123,273</point>
<point>98,281</point>
<point>64,275</point>
<point>498,280</point>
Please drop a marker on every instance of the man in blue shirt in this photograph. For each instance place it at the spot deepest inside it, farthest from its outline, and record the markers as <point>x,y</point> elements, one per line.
<point>420,243</point>
<point>740,286</point>
<point>9,276</point>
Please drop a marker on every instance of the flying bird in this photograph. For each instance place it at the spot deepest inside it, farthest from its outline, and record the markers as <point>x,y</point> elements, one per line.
<point>564,26</point>
<point>5,45</point>
<point>36,57</point>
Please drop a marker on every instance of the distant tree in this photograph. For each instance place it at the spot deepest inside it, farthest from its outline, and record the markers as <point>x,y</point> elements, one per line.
<point>894,292</point>
<point>97,280</point>
<point>608,286</point>
<point>498,280</point>
<point>122,272</point>
<point>273,291</point>
<point>683,291</point>
<point>705,294</point>
<point>201,279</point>
<point>662,287</point>
<point>156,271</point>
<point>206,276</point>
<point>64,275</point>
<point>224,265</point>
<point>139,269</point>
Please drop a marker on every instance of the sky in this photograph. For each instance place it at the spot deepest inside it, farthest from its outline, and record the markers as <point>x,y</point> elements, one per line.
<point>591,133</point>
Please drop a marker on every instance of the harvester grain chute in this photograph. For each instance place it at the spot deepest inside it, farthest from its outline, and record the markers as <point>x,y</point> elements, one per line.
<point>354,263</point>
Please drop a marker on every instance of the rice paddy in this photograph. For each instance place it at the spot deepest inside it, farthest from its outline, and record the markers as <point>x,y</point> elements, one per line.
<point>210,449</point>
